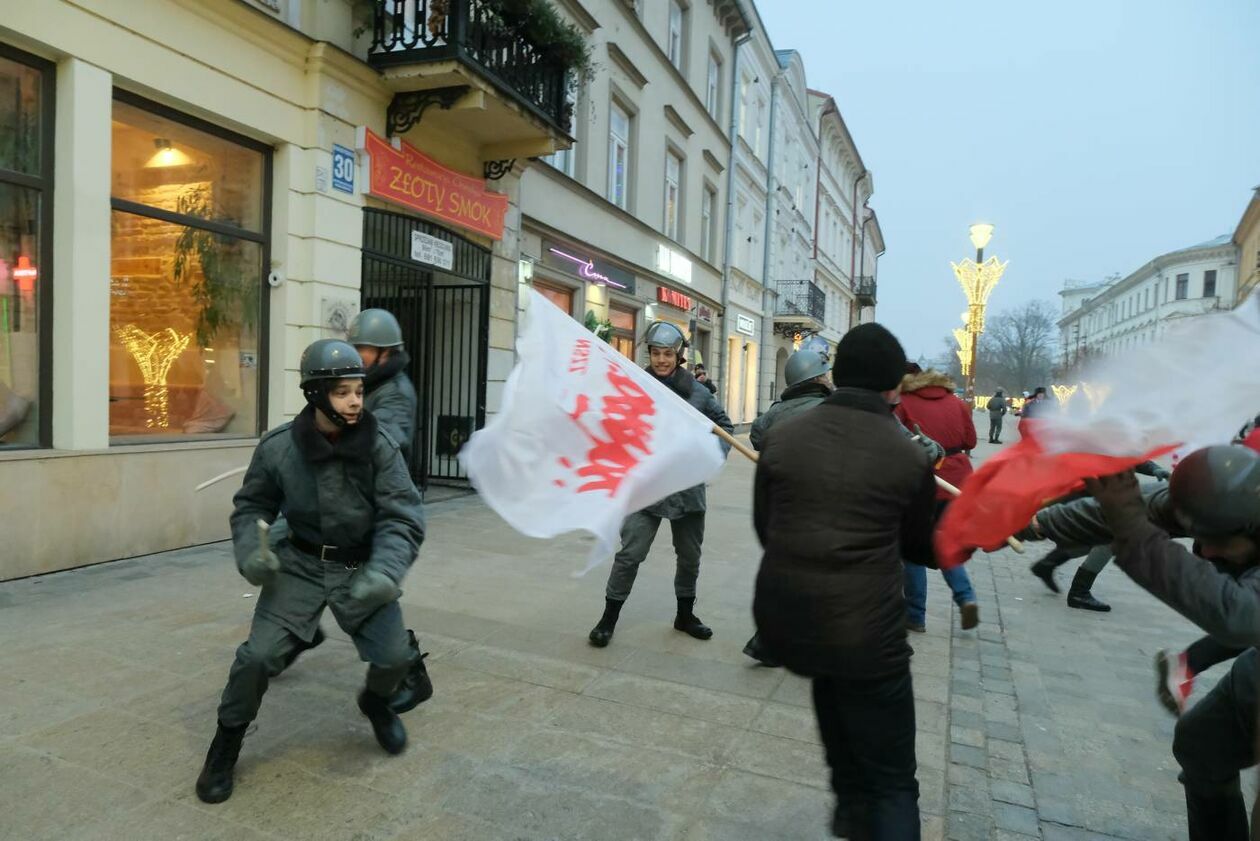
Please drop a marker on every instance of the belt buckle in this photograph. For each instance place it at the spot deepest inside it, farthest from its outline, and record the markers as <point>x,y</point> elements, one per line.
<point>323,552</point>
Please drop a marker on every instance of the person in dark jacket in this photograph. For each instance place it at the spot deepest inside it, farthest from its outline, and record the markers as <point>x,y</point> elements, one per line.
<point>841,498</point>
<point>355,525</point>
<point>390,397</point>
<point>702,377</point>
<point>684,509</point>
<point>807,384</point>
<point>997,408</point>
<point>929,406</point>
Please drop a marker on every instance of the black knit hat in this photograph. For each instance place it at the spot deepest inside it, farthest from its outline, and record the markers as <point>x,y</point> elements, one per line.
<point>869,357</point>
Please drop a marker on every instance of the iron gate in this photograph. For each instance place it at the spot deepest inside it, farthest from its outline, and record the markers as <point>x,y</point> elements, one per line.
<point>445,316</point>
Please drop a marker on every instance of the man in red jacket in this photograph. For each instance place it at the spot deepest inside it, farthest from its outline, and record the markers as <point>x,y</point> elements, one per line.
<point>928,405</point>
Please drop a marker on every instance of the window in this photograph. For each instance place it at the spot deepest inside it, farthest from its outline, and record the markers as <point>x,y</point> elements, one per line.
<point>713,87</point>
<point>1209,283</point>
<point>708,200</point>
<point>26,168</point>
<point>673,192</point>
<point>1183,286</point>
<point>622,339</point>
<point>558,295</point>
<point>758,228</point>
<point>758,110</point>
<point>619,157</point>
<point>188,247</point>
<point>743,247</point>
<point>744,84</point>
<point>564,159</point>
<point>674,45</point>
<point>1148,298</point>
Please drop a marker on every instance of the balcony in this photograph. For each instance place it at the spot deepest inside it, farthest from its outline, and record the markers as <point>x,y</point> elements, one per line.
<point>864,289</point>
<point>800,308</point>
<point>494,85</point>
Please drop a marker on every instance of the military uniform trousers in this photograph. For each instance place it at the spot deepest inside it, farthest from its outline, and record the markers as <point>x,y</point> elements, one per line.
<point>288,613</point>
<point>637,533</point>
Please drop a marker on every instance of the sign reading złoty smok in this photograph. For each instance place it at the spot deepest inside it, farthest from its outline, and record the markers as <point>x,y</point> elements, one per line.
<point>408,177</point>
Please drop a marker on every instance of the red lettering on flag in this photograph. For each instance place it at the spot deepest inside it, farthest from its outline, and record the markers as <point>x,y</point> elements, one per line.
<point>627,433</point>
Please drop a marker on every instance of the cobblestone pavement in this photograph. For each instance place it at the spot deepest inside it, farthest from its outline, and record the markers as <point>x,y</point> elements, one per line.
<point>1047,726</point>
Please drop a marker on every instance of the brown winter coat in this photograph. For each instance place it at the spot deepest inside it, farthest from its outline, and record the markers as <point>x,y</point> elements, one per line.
<point>841,496</point>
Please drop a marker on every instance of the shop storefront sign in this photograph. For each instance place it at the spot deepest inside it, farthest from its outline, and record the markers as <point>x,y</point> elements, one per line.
<point>673,263</point>
<point>704,314</point>
<point>431,250</point>
<point>745,325</point>
<point>407,177</point>
<point>673,297</point>
<point>588,268</point>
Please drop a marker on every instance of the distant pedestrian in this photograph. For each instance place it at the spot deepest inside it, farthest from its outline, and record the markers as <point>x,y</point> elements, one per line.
<point>702,377</point>
<point>997,409</point>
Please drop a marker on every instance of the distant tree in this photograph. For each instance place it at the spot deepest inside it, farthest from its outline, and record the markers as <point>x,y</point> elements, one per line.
<point>1016,350</point>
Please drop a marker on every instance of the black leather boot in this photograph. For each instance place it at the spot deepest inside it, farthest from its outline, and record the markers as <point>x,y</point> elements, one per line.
<point>1079,595</point>
<point>602,632</point>
<point>388,727</point>
<point>315,642</point>
<point>757,651</point>
<point>214,784</point>
<point>1044,569</point>
<point>416,687</point>
<point>690,624</point>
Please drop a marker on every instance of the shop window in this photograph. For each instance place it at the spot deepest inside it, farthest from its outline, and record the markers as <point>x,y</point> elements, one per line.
<point>622,338</point>
<point>558,295</point>
<point>188,251</point>
<point>26,111</point>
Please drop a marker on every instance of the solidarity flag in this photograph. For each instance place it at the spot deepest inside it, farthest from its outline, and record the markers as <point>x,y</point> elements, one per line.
<point>585,437</point>
<point>1193,387</point>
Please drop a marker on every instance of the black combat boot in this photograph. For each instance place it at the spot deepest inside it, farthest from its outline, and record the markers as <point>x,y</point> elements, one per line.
<point>1079,595</point>
<point>416,687</point>
<point>315,642</point>
<point>602,632</point>
<point>756,650</point>
<point>214,784</point>
<point>1044,569</point>
<point>386,724</point>
<point>687,621</point>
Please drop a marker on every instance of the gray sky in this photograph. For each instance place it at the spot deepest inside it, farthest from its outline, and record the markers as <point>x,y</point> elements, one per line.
<point>1094,135</point>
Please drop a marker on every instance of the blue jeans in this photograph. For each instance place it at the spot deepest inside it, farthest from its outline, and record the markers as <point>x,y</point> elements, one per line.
<point>916,590</point>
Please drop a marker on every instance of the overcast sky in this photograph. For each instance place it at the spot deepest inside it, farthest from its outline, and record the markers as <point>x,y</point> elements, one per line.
<point>1093,134</point>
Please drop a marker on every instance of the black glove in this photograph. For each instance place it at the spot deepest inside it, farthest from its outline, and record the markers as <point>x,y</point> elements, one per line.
<point>1120,500</point>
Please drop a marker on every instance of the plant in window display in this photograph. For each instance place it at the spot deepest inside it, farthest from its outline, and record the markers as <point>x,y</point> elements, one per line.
<point>226,288</point>
<point>601,329</point>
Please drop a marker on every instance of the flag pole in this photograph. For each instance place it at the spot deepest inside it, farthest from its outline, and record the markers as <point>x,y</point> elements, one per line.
<point>940,483</point>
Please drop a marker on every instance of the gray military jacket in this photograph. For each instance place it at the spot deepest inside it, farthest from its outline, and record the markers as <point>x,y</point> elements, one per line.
<point>391,398</point>
<point>355,492</point>
<point>794,400</point>
<point>691,500</point>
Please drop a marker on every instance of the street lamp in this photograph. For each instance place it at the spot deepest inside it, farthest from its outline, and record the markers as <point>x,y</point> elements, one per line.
<point>977,278</point>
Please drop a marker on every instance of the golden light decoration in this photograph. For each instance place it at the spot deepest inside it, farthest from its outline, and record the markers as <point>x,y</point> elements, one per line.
<point>965,341</point>
<point>1096,394</point>
<point>1063,393</point>
<point>154,353</point>
<point>977,281</point>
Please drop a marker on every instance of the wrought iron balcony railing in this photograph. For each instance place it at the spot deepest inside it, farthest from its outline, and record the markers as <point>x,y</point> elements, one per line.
<point>801,298</point>
<point>474,33</point>
<point>865,291</point>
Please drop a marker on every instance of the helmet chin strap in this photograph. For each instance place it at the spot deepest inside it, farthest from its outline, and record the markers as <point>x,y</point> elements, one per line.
<point>317,396</point>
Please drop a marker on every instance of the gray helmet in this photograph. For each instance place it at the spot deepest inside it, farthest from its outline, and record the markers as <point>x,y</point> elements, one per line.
<point>664,334</point>
<point>375,328</point>
<point>329,359</point>
<point>1215,491</point>
<point>804,365</point>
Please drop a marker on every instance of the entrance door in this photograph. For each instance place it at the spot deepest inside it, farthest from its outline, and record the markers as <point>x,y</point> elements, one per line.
<point>445,318</point>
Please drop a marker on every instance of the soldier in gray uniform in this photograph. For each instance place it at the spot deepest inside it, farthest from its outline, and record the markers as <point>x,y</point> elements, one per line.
<point>806,372</point>
<point>355,525</point>
<point>391,398</point>
<point>684,509</point>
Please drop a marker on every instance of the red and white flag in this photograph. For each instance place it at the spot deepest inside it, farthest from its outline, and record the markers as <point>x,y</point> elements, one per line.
<point>585,437</point>
<point>1193,387</point>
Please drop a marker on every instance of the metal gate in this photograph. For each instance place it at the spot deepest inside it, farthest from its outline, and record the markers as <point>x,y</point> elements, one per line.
<point>445,316</point>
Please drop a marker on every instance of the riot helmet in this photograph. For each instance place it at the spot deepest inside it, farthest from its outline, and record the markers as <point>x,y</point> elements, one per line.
<point>805,365</point>
<point>1215,492</point>
<point>324,362</point>
<point>664,334</point>
<point>375,328</point>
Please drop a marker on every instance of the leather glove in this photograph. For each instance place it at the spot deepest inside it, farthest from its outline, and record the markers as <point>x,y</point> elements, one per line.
<point>261,567</point>
<point>934,450</point>
<point>373,588</point>
<point>1120,500</point>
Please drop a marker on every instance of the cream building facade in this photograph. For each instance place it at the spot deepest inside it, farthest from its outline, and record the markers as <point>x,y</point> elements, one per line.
<point>1246,239</point>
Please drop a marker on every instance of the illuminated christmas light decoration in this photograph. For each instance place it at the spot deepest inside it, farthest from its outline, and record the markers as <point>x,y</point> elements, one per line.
<point>977,278</point>
<point>1096,395</point>
<point>965,341</point>
<point>1063,393</point>
<point>154,353</point>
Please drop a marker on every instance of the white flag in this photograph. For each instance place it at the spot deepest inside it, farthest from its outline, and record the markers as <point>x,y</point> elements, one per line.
<point>585,437</point>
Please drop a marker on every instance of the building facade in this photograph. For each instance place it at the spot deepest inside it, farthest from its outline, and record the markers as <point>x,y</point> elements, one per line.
<point>1132,311</point>
<point>1246,239</point>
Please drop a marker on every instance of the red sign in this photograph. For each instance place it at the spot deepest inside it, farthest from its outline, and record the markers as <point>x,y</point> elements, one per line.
<point>412,179</point>
<point>673,298</point>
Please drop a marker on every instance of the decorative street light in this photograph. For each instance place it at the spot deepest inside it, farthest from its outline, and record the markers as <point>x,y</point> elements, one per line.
<point>977,278</point>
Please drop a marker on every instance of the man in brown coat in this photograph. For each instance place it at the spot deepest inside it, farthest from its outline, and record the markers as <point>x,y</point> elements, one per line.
<point>841,498</point>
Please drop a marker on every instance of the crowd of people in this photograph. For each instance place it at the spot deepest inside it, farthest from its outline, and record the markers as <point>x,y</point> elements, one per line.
<point>854,461</point>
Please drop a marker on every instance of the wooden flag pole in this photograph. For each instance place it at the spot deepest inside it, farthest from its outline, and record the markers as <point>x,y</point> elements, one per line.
<point>940,483</point>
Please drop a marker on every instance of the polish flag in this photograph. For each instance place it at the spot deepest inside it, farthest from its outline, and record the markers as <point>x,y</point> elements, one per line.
<point>585,437</point>
<point>1191,388</point>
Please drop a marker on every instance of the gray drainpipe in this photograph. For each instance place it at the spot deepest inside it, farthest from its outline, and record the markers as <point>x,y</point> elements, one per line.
<point>728,247</point>
<point>767,301</point>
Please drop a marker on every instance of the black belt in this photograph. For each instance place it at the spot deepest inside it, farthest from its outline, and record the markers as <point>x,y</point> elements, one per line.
<point>953,451</point>
<point>351,556</point>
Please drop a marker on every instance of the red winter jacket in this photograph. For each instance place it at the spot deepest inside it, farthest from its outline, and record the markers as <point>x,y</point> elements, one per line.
<point>927,399</point>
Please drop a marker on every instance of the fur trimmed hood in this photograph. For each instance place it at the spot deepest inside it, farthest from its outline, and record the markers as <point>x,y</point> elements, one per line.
<point>927,379</point>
